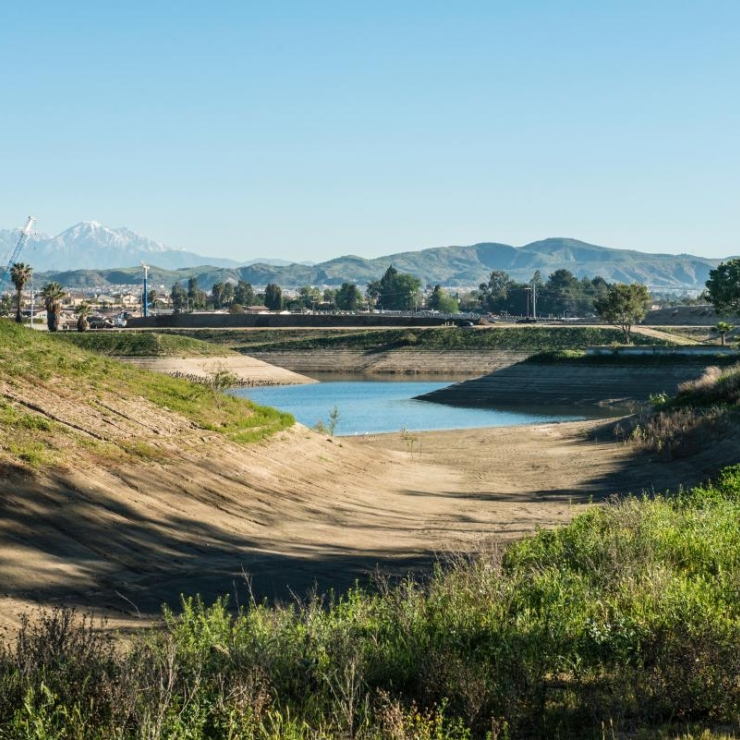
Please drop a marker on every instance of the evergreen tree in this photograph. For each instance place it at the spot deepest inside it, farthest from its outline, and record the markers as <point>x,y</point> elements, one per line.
<point>274,297</point>
<point>243,294</point>
<point>348,297</point>
<point>179,297</point>
<point>395,291</point>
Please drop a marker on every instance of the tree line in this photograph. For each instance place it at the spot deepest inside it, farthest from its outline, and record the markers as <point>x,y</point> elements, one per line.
<point>560,295</point>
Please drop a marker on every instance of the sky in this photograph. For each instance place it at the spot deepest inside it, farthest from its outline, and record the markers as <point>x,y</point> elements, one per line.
<point>311,130</point>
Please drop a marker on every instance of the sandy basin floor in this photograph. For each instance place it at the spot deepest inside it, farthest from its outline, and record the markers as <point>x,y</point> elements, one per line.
<point>305,512</point>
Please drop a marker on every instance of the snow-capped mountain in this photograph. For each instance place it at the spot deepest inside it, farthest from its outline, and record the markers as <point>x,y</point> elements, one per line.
<point>91,245</point>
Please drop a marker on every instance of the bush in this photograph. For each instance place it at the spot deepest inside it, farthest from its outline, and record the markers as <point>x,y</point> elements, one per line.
<point>626,618</point>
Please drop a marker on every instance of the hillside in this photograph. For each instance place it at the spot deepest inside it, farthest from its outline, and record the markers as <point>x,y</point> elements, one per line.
<point>455,266</point>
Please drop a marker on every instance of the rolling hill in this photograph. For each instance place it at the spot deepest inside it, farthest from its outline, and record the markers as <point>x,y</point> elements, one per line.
<point>90,254</point>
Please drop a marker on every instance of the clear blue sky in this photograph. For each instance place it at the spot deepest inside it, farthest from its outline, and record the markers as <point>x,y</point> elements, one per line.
<point>308,130</point>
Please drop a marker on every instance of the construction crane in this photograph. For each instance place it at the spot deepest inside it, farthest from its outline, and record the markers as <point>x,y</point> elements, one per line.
<point>25,233</point>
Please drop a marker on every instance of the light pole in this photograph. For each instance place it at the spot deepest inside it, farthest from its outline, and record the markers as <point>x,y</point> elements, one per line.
<point>146,289</point>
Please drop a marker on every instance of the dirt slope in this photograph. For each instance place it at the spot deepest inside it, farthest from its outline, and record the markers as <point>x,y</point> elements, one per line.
<point>248,370</point>
<point>122,534</point>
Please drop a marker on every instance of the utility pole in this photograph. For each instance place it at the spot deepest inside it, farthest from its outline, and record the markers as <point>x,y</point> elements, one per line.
<point>146,291</point>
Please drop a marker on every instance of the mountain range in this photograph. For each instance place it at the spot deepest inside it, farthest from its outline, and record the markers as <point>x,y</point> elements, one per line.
<point>91,245</point>
<point>90,254</point>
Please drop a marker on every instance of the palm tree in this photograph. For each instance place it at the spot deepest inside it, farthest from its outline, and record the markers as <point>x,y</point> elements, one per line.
<point>83,312</point>
<point>723,328</point>
<point>20,274</point>
<point>53,294</point>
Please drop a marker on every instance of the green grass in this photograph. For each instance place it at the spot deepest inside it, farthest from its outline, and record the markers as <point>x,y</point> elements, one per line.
<point>529,339</point>
<point>29,357</point>
<point>131,343</point>
<point>626,621</point>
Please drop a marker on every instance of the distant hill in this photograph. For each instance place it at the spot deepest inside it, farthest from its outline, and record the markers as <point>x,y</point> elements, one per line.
<point>469,266</point>
<point>103,252</point>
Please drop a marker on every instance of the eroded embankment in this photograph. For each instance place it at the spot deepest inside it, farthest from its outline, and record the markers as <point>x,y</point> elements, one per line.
<point>582,382</point>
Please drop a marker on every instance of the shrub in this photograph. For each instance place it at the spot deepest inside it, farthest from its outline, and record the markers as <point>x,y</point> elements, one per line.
<point>626,618</point>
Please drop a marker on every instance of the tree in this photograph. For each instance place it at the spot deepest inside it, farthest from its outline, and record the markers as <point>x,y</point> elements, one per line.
<point>563,288</point>
<point>395,291</point>
<point>194,294</point>
<point>217,294</point>
<point>494,295</point>
<point>309,296</point>
<point>227,297</point>
<point>83,311</point>
<point>624,305</point>
<point>179,297</point>
<point>440,300</point>
<point>273,297</point>
<point>723,287</point>
<point>52,294</point>
<point>348,297</point>
<point>20,274</point>
<point>244,294</point>
<point>723,328</point>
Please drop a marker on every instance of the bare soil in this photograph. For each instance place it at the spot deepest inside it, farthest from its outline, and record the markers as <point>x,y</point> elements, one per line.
<point>281,517</point>
<point>248,370</point>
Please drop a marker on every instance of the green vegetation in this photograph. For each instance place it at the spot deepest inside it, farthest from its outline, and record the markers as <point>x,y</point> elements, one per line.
<point>626,619</point>
<point>723,287</point>
<point>623,305</point>
<point>143,344</point>
<point>20,274</point>
<point>530,339</point>
<point>26,435</point>
<point>562,294</point>
<point>394,291</point>
<point>27,357</point>
<point>703,413</point>
<point>718,386</point>
<point>52,293</point>
<point>723,328</point>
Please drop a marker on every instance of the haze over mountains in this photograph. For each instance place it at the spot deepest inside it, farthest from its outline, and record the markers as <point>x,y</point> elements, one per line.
<point>90,247</point>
